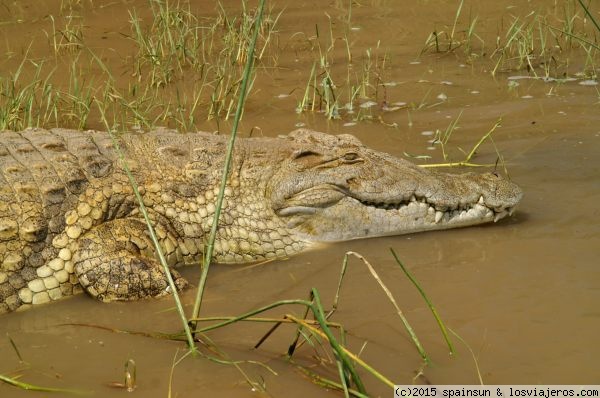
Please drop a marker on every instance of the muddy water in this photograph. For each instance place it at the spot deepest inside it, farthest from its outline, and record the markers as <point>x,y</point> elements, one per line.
<point>523,294</point>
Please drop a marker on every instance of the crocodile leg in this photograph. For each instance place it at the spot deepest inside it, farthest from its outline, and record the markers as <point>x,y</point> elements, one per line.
<point>112,262</point>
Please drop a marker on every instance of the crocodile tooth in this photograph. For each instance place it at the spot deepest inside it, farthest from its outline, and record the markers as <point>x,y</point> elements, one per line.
<point>481,200</point>
<point>500,215</point>
<point>478,209</point>
<point>438,216</point>
<point>413,198</point>
<point>510,211</point>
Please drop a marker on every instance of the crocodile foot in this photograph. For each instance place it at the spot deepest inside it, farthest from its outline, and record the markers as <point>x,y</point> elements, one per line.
<point>110,266</point>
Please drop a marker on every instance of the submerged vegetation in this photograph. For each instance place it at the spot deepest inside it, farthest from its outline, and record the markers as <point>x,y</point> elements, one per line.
<point>171,53</point>
<point>177,68</point>
<point>557,42</point>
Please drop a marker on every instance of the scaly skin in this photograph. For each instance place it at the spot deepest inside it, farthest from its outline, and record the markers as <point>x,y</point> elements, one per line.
<point>69,220</point>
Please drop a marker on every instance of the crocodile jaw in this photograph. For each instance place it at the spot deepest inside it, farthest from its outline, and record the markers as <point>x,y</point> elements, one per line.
<point>325,224</point>
<point>458,201</point>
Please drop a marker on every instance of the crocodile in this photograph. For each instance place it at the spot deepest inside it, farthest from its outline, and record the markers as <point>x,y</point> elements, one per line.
<point>70,221</point>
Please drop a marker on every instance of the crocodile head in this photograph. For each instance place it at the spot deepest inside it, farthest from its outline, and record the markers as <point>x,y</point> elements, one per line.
<point>333,188</point>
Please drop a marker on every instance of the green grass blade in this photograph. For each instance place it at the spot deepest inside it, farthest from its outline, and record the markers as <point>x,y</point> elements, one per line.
<point>231,320</point>
<point>326,383</point>
<point>340,354</point>
<point>482,140</point>
<point>431,307</point>
<point>472,355</point>
<point>14,346</point>
<point>390,297</point>
<point>458,11</point>
<point>579,38</point>
<point>32,387</point>
<point>153,236</point>
<point>589,14</point>
<point>238,113</point>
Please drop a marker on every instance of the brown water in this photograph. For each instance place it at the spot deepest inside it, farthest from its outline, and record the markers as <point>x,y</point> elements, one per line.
<point>522,293</point>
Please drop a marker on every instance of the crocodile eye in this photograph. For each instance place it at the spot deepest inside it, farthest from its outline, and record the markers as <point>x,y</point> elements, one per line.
<point>351,157</point>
